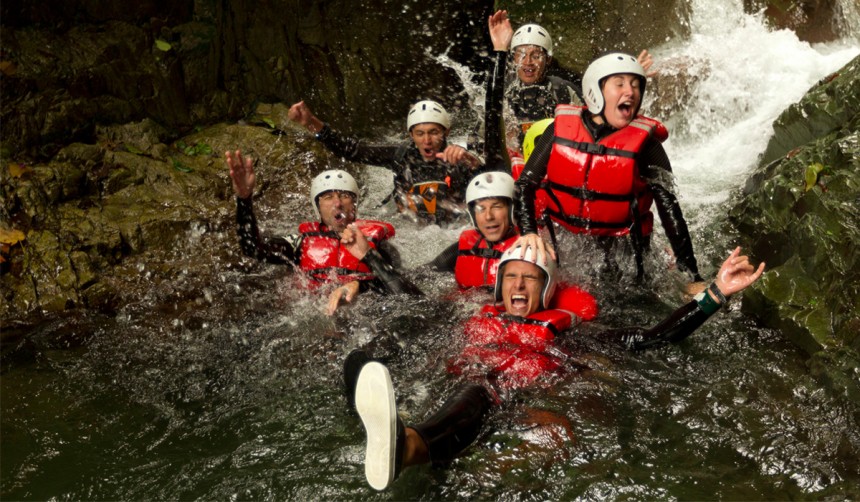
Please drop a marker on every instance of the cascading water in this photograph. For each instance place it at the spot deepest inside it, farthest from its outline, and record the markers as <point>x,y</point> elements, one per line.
<point>227,386</point>
<point>748,75</point>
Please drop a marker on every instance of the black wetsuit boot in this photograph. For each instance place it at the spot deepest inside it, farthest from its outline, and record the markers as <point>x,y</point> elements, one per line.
<point>456,425</point>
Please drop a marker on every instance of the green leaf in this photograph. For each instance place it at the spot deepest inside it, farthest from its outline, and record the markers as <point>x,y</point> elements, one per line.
<point>180,167</point>
<point>203,149</point>
<point>163,45</point>
<point>133,149</point>
<point>269,122</point>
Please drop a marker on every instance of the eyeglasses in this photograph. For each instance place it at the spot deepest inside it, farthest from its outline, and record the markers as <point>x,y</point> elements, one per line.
<point>534,54</point>
<point>330,195</point>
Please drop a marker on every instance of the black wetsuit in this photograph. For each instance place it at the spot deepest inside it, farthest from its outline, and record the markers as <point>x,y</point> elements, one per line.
<point>495,153</point>
<point>405,161</point>
<point>458,422</point>
<point>653,165</point>
<point>531,103</point>
<point>287,250</point>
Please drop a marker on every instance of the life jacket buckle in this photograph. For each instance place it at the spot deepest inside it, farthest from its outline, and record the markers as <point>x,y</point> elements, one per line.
<point>595,148</point>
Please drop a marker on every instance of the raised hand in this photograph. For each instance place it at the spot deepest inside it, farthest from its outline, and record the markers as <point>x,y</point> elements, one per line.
<point>241,173</point>
<point>302,114</point>
<point>501,32</point>
<point>647,62</point>
<point>737,273</point>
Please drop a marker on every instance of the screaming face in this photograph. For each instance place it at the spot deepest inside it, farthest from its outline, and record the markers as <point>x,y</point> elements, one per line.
<point>622,95</point>
<point>522,283</point>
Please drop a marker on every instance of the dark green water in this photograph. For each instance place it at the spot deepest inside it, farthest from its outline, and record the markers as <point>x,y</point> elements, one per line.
<point>228,387</point>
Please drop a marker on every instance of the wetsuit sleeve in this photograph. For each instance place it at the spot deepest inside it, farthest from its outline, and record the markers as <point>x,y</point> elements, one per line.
<point>657,171</point>
<point>495,150</point>
<point>254,244</point>
<point>673,329</point>
<point>356,151</point>
<point>393,281</point>
<point>447,259</point>
<point>530,180</point>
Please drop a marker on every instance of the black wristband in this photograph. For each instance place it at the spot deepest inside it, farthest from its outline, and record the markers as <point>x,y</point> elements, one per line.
<point>719,294</point>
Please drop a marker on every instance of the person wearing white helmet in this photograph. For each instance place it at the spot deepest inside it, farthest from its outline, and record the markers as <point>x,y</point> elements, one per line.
<point>596,170</point>
<point>474,258</point>
<point>316,248</point>
<point>429,174</point>
<point>534,93</point>
<point>509,347</point>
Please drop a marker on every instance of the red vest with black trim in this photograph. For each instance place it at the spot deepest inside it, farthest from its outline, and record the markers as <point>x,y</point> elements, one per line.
<point>477,263</point>
<point>595,187</point>
<point>323,257</point>
<point>519,350</point>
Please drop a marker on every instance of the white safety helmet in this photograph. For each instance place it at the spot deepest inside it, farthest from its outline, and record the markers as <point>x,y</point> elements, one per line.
<point>334,179</point>
<point>427,111</point>
<point>549,270</point>
<point>490,184</point>
<point>532,34</point>
<point>602,67</point>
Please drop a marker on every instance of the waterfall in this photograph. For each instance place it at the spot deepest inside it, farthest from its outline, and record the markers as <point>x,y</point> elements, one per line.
<point>748,74</point>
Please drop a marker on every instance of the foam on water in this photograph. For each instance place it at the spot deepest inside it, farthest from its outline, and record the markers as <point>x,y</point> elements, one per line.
<point>750,74</point>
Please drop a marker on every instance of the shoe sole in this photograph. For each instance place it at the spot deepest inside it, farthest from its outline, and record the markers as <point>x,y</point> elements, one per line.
<point>374,401</point>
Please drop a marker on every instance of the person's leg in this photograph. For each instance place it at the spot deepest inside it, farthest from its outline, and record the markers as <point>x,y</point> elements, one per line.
<point>352,365</point>
<point>382,348</point>
<point>391,446</point>
<point>457,423</point>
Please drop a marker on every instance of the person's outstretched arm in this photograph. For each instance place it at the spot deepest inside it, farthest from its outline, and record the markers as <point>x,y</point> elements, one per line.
<point>254,244</point>
<point>735,275</point>
<point>495,149</point>
<point>342,146</point>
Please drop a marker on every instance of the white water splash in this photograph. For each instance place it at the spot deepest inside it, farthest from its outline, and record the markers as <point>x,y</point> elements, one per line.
<point>750,74</point>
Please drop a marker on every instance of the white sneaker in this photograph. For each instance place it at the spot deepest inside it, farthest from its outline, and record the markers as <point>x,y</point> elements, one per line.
<point>374,401</point>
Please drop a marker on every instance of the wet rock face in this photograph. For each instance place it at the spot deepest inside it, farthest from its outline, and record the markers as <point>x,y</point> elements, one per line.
<point>96,206</point>
<point>69,67</point>
<point>799,212</point>
<point>812,20</point>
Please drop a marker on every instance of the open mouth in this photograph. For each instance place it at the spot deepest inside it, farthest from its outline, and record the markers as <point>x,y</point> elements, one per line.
<point>519,301</point>
<point>529,71</point>
<point>342,217</point>
<point>428,152</point>
<point>626,108</point>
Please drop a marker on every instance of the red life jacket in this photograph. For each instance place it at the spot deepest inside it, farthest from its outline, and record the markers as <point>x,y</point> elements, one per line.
<point>322,254</point>
<point>515,351</point>
<point>596,188</point>
<point>477,263</point>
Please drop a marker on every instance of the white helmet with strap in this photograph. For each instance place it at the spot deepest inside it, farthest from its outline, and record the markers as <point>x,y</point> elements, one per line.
<point>611,64</point>
<point>427,111</point>
<point>334,179</point>
<point>490,184</point>
<point>532,34</point>
<point>549,269</point>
